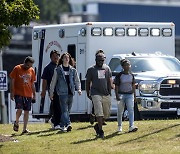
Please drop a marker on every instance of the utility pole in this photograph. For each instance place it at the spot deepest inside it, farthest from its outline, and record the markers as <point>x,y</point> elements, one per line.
<point>3,107</point>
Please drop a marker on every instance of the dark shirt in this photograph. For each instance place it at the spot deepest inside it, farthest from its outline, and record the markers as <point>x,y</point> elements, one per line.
<point>100,78</point>
<point>66,72</point>
<point>48,73</point>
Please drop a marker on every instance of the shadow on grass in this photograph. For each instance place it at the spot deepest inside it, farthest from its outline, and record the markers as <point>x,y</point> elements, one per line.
<point>178,136</point>
<point>155,132</point>
<point>82,128</point>
<point>105,138</point>
<point>114,134</point>
<point>84,141</point>
<point>59,132</point>
<point>33,133</point>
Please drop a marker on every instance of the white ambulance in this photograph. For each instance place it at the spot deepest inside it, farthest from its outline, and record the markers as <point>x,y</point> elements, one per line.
<point>82,40</point>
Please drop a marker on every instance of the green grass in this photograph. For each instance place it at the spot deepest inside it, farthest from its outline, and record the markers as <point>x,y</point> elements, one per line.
<point>153,136</point>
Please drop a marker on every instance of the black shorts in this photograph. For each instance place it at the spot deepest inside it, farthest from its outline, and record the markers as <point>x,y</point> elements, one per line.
<point>23,103</point>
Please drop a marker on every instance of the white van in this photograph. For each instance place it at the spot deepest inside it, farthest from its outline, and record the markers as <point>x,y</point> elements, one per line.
<point>82,40</point>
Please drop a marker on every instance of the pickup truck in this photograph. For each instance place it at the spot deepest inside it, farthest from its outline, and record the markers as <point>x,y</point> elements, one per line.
<point>157,78</point>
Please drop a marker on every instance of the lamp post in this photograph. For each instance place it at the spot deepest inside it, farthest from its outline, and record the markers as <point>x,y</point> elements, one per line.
<point>3,107</point>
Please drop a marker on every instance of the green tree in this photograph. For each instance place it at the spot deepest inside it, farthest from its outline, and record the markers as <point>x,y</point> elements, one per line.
<point>15,13</point>
<point>51,9</point>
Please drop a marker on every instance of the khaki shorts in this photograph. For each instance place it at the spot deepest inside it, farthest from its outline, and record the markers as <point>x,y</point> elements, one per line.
<point>102,105</point>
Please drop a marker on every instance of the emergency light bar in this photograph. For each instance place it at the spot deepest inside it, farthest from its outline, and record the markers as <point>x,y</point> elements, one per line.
<point>119,31</point>
<point>96,31</point>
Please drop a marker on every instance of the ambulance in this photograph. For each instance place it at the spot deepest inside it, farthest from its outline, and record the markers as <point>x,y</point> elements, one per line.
<point>82,40</point>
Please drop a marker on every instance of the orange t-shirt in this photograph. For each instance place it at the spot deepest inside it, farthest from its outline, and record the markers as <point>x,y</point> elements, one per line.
<point>23,80</point>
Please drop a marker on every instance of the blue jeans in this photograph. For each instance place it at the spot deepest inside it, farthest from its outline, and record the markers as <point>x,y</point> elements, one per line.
<point>66,104</point>
<point>127,99</point>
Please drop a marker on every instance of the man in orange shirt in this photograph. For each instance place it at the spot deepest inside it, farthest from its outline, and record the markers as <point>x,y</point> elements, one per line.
<point>23,90</point>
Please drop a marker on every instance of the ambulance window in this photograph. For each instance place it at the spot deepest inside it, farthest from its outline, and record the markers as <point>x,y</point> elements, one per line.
<point>114,64</point>
<point>120,32</point>
<point>72,50</point>
<point>167,32</point>
<point>143,32</point>
<point>61,33</point>
<point>108,32</point>
<point>155,32</point>
<point>131,31</point>
<point>35,35</point>
<point>96,31</point>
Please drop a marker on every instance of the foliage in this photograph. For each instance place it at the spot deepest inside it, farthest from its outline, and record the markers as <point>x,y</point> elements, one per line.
<point>51,9</point>
<point>153,136</point>
<point>15,13</point>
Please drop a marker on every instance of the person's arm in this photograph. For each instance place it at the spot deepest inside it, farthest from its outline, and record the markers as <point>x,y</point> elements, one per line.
<point>34,91</point>
<point>112,85</point>
<point>116,93</point>
<point>134,89</point>
<point>53,84</point>
<point>12,89</point>
<point>77,83</point>
<point>88,83</point>
<point>44,86</point>
<point>117,84</point>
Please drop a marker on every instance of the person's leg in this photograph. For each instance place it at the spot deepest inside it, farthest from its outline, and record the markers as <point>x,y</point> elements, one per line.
<point>64,109</point>
<point>100,122</point>
<point>130,108</point>
<point>70,101</point>
<point>19,107</point>
<point>106,103</point>
<point>56,109</point>
<point>92,117</point>
<point>120,105</point>
<point>18,114</point>
<point>97,100</point>
<point>26,107</point>
<point>26,117</point>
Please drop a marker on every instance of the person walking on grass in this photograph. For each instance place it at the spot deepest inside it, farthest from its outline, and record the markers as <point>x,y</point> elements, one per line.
<point>125,94</point>
<point>23,90</point>
<point>98,89</point>
<point>55,110</point>
<point>66,80</point>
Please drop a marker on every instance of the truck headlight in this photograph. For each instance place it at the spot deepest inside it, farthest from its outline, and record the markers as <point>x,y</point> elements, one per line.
<point>148,87</point>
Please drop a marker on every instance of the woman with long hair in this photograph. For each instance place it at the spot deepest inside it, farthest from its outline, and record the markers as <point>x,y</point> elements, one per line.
<point>65,80</point>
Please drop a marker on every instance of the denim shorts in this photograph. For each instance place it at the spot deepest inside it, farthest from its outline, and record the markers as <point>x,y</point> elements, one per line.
<point>23,103</point>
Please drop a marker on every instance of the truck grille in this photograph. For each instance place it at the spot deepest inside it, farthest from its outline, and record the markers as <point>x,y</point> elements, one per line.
<point>170,89</point>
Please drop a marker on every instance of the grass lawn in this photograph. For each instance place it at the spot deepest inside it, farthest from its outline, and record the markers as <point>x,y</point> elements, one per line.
<point>153,136</point>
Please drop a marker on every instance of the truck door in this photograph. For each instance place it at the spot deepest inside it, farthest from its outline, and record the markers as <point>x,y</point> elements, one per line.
<point>77,51</point>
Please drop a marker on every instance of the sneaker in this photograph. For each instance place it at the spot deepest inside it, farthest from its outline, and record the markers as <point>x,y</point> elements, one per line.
<point>63,129</point>
<point>57,127</point>
<point>92,119</point>
<point>25,131</point>
<point>96,128</point>
<point>133,129</point>
<point>16,126</point>
<point>101,133</point>
<point>69,128</point>
<point>119,129</point>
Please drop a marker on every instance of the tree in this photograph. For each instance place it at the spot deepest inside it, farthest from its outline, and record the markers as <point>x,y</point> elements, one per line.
<point>15,13</point>
<point>51,9</point>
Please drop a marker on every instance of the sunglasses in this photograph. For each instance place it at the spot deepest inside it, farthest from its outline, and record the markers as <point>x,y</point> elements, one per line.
<point>100,60</point>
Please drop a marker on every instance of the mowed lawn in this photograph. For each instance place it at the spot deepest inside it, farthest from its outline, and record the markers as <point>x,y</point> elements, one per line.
<point>153,136</point>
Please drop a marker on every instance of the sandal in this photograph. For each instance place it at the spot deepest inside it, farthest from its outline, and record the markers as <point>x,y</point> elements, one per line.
<point>16,126</point>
